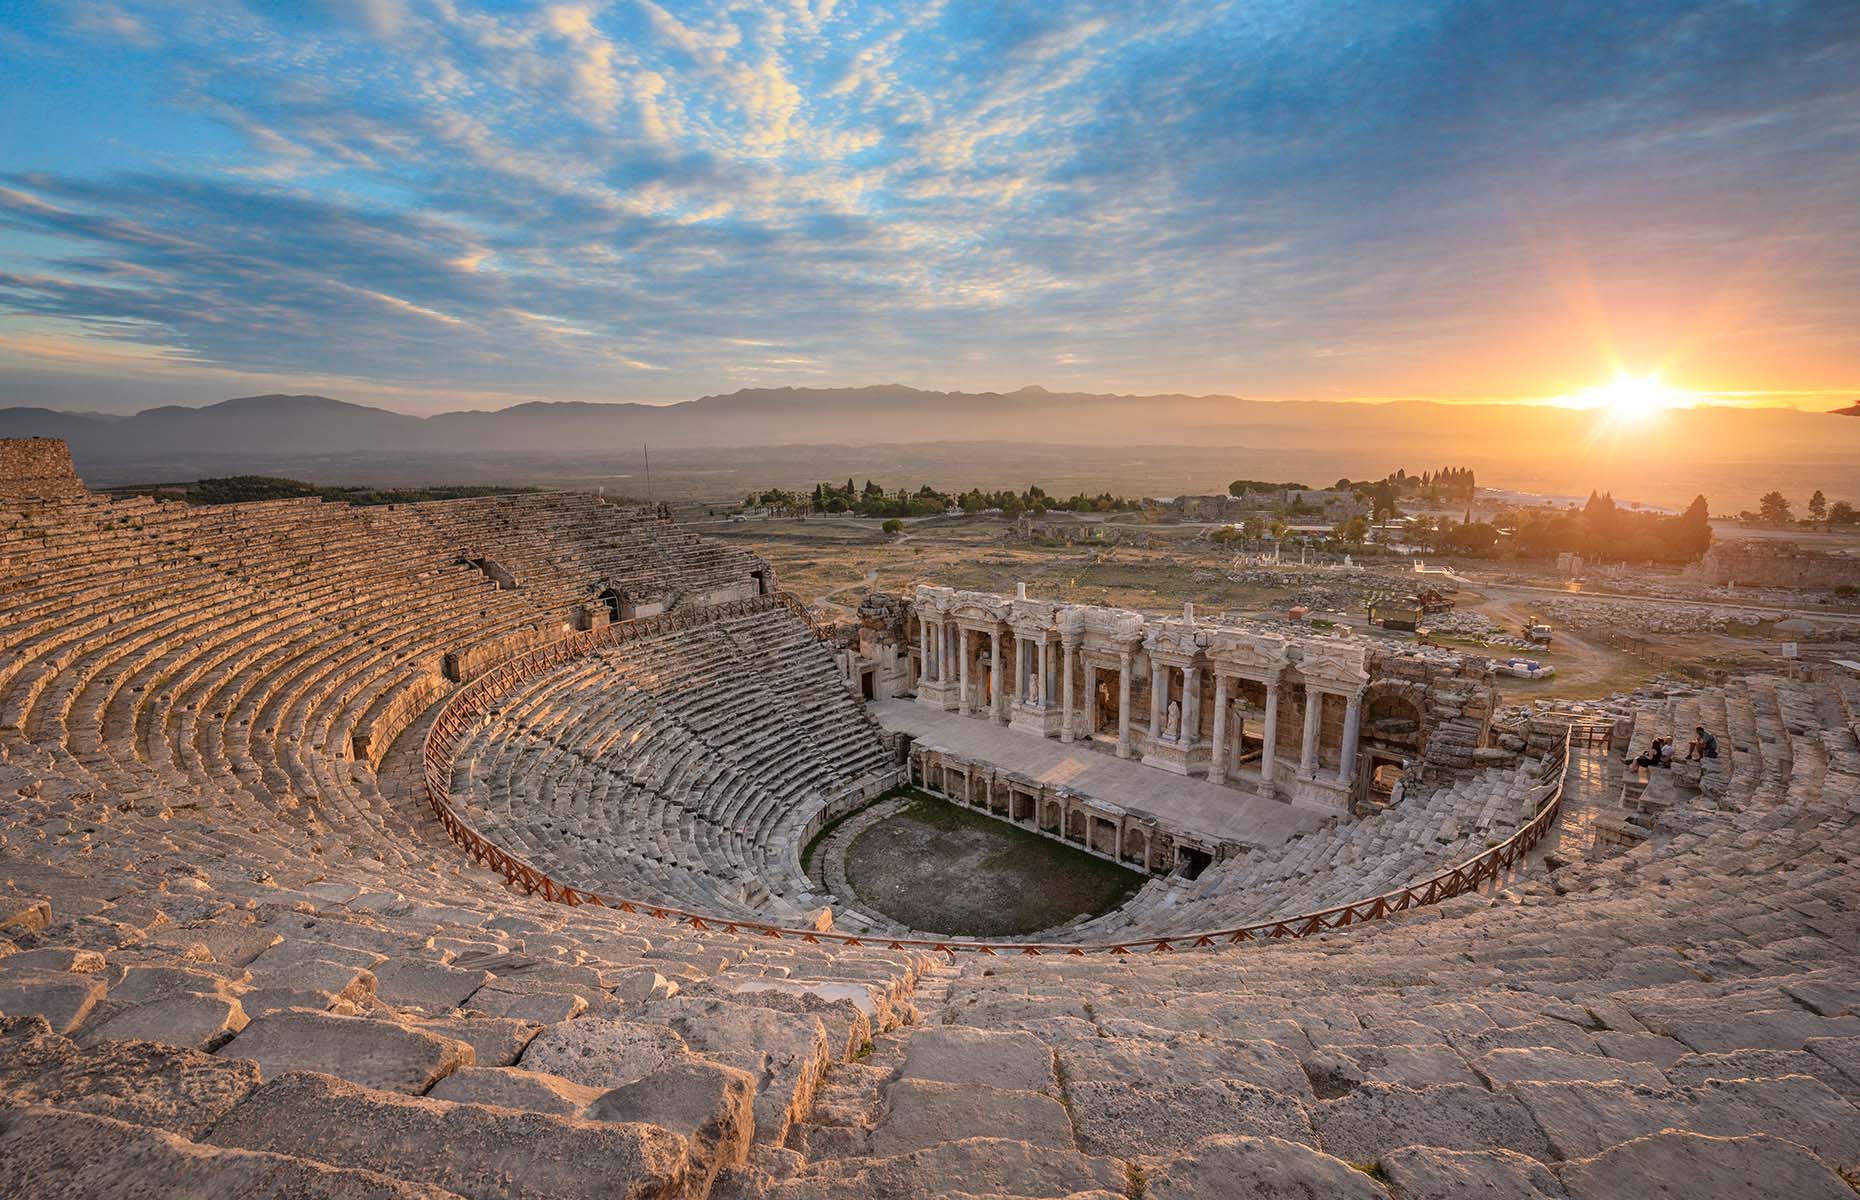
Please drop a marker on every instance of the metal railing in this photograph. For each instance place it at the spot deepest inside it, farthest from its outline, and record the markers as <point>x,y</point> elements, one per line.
<point>470,704</point>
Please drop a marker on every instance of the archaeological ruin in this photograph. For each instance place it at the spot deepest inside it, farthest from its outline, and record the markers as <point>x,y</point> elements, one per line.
<point>461,849</point>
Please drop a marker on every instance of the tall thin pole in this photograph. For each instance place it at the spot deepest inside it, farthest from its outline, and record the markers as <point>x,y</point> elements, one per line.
<point>647,451</point>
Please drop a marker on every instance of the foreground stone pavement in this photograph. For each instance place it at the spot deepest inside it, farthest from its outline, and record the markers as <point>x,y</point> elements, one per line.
<point>236,958</point>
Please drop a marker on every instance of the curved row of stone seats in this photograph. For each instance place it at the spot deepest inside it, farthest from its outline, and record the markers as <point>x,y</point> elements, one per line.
<point>1432,829</point>
<point>1682,1018</point>
<point>160,972</point>
<point>1538,1040</point>
<point>684,767</point>
<point>558,543</point>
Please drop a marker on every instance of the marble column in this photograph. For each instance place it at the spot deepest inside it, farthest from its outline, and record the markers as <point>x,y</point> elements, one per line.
<point>1314,716</point>
<point>1190,733</point>
<point>923,650</point>
<point>962,670</point>
<point>1123,705</point>
<point>1046,674</point>
<point>1271,740</point>
<point>1159,698</point>
<point>1352,728</point>
<point>1092,715</point>
<point>997,692</point>
<point>1217,761</point>
<point>1066,651</point>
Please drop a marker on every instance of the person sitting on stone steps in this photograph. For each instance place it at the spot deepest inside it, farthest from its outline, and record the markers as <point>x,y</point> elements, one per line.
<point>1659,754</point>
<point>1703,746</point>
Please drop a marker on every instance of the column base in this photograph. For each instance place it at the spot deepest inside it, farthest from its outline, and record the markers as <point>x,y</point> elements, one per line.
<point>1175,757</point>
<point>937,693</point>
<point>1322,793</point>
<point>1043,722</point>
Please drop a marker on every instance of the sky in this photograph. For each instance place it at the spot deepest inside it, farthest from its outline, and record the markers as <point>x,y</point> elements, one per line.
<point>431,204</point>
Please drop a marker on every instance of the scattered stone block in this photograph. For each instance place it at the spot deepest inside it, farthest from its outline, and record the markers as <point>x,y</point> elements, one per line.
<point>1378,1118</point>
<point>64,999</point>
<point>495,1041</point>
<point>513,1087</point>
<point>1261,1168</point>
<point>427,986</point>
<point>1425,1173</point>
<point>201,1022</point>
<point>1128,1120</point>
<point>478,1152</point>
<point>920,1114</point>
<point>52,1154</point>
<point>180,1090</point>
<point>601,1054</point>
<point>1692,1166</point>
<point>1584,1119</point>
<point>378,1054</point>
<point>1008,1061</point>
<point>710,1105</point>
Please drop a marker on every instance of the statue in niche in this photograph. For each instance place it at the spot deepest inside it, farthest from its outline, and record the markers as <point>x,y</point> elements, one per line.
<point>1106,705</point>
<point>1172,724</point>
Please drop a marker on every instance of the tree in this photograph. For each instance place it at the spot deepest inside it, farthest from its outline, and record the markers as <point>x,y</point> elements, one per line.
<point>1817,506</point>
<point>1382,501</point>
<point>1773,507</point>
<point>1352,531</point>
<point>893,525</point>
<point>1842,513</point>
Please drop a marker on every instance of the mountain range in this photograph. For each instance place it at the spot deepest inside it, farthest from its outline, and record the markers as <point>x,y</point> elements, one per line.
<point>1545,447</point>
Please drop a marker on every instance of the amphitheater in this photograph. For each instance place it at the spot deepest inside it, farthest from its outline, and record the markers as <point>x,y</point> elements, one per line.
<point>460,849</point>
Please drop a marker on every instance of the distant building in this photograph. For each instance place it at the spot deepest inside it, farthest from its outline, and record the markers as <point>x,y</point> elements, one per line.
<point>1762,562</point>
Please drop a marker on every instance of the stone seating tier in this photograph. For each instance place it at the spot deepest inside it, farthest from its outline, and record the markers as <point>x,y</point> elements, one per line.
<point>234,958</point>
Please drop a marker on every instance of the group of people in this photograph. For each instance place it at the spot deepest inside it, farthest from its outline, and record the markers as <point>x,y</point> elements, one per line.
<point>1660,753</point>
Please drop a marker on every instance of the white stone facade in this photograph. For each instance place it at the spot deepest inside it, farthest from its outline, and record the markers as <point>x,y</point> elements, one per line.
<point>1243,706</point>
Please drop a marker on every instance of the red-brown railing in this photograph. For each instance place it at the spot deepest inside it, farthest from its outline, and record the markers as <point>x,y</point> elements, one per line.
<point>471,702</point>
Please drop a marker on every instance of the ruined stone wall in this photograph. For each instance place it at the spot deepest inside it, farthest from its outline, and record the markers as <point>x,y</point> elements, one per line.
<point>37,469</point>
<point>1753,563</point>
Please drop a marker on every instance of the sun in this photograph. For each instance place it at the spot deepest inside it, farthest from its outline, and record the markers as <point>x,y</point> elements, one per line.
<point>1632,399</point>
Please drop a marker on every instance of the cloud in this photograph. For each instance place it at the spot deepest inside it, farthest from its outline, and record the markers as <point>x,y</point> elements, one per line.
<point>513,199</point>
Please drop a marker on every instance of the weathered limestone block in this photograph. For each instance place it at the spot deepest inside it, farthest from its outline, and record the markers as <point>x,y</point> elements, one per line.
<point>1183,1059</point>
<point>535,1007</point>
<point>24,914</point>
<point>373,1053</point>
<point>979,1166</point>
<point>1009,1061</point>
<point>513,1087</point>
<point>1547,1064</point>
<point>429,986</point>
<point>602,1054</point>
<point>176,1089</point>
<point>710,1105</point>
<point>1695,1167</point>
<point>785,1053</point>
<point>639,985</point>
<point>63,999</point>
<point>920,1115</point>
<point>1425,1173</point>
<point>1713,1031</point>
<point>201,1022</point>
<point>142,984</point>
<point>1584,1119</point>
<point>1416,1066</point>
<point>495,1041</point>
<point>1128,1120</point>
<point>1261,1168</point>
<point>1378,1118</point>
<point>1759,1064</point>
<point>53,959</point>
<point>52,1154</point>
<point>476,1151</point>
